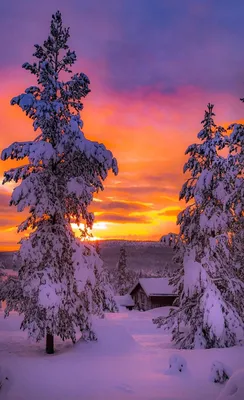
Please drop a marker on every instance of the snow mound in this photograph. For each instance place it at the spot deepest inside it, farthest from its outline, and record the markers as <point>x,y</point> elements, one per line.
<point>177,365</point>
<point>4,382</point>
<point>125,388</point>
<point>234,389</point>
<point>113,340</point>
<point>220,373</point>
<point>124,301</point>
<point>158,311</point>
<point>3,377</point>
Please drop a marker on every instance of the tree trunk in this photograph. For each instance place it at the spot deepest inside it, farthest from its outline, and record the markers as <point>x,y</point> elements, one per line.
<point>49,344</point>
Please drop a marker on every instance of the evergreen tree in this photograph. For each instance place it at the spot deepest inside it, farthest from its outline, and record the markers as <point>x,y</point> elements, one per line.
<point>60,279</point>
<point>2,272</point>
<point>124,279</point>
<point>231,193</point>
<point>2,276</point>
<point>238,251</point>
<point>209,289</point>
<point>233,197</point>
<point>164,271</point>
<point>97,247</point>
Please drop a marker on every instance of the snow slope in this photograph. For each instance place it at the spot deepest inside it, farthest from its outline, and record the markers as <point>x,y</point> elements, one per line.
<point>130,361</point>
<point>146,255</point>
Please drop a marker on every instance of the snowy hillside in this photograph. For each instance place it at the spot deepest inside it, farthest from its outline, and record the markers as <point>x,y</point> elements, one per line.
<point>146,255</point>
<point>6,257</point>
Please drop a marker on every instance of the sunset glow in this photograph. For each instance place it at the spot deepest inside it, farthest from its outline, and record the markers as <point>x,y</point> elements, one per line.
<point>146,104</point>
<point>96,227</point>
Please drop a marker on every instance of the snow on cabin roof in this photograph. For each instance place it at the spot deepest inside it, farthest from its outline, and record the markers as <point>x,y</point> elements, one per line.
<point>155,286</point>
<point>124,301</point>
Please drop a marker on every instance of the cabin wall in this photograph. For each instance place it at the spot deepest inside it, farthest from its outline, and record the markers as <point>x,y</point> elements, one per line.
<point>142,302</point>
<point>162,301</point>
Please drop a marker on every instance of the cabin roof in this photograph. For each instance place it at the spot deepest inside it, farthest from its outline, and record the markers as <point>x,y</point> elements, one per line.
<point>155,286</point>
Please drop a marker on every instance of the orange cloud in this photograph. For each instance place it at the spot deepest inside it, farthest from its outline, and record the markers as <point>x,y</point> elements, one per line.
<point>170,212</point>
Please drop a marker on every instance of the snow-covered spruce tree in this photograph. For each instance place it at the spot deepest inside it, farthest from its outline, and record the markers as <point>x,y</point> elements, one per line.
<point>2,276</point>
<point>124,279</point>
<point>2,272</point>
<point>209,289</point>
<point>231,194</point>
<point>176,276</point>
<point>233,197</point>
<point>103,288</point>
<point>238,249</point>
<point>97,247</point>
<point>60,280</point>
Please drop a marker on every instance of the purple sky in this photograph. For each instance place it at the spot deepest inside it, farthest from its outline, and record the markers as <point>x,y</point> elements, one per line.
<point>141,44</point>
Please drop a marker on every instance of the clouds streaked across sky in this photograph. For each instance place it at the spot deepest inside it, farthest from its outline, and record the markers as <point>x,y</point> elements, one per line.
<point>153,66</point>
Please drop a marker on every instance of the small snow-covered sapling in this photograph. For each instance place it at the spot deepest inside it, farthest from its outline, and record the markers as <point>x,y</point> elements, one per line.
<point>220,373</point>
<point>177,364</point>
<point>234,388</point>
<point>3,378</point>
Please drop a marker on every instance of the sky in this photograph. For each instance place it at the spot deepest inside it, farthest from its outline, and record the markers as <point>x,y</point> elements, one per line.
<point>153,66</point>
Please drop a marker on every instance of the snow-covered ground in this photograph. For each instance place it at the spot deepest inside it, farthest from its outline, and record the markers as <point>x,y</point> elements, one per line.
<point>129,361</point>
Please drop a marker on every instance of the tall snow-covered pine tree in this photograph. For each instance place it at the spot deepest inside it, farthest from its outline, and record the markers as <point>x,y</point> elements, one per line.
<point>209,289</point>
<point>233,195</point>
<point>60,281</point>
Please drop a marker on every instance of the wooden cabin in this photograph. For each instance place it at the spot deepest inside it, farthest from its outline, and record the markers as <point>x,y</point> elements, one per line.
<point>151,293</point>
